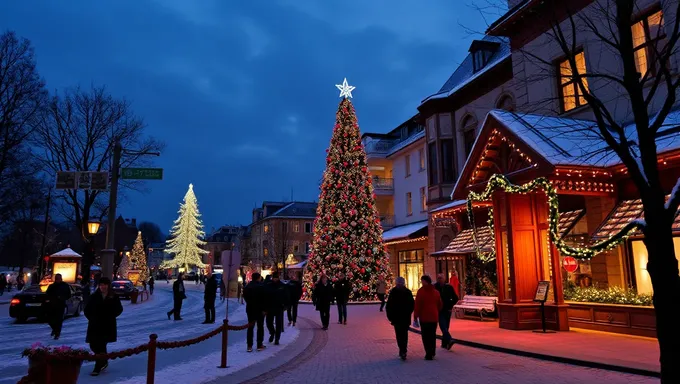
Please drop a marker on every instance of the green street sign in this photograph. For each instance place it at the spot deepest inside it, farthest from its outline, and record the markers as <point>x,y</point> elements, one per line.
<point>142,174</point>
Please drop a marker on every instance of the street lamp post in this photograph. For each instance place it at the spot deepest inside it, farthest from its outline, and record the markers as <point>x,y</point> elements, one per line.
<point>92,230</point>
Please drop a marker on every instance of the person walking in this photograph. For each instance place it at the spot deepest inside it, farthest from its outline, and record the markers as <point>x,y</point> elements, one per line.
<point>399,309</point>
<point>254,296</point>
<point>455,282</point>
<point>20,282</point>
<point>426,313</point>
<point>278,299</point>
<point>178,294</point>
<point>151,283</point>
<point>342,289</point>
<point>57,293</point>
<point>381,289</point>
<point>101,313</point>
<point>209,296</point>
<point>295,289</point>
<point>323,298</point>
<point>449,299</point>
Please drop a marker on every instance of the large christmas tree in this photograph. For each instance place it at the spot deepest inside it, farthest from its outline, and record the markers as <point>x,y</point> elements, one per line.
<point>186,236</point>
<point>347,229</point>
<point>138,258</point>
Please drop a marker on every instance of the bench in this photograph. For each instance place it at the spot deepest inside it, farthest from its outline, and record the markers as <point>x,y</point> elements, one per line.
<point>483,305</point>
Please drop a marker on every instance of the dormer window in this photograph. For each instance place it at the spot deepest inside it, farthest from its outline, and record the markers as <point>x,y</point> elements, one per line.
<point>482,51</point>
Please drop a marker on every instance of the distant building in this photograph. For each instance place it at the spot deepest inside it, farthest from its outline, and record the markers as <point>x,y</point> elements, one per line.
<point>222,239</point>
<point>281,234</point>
<point>156,255</point>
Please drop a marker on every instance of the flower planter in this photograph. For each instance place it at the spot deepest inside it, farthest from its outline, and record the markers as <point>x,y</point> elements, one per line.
<point>37,369</point>
<point>63,372</point>
<point>616,318</point>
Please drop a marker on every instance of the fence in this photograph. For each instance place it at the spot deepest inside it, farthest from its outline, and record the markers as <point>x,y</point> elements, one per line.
<point>49,363</point>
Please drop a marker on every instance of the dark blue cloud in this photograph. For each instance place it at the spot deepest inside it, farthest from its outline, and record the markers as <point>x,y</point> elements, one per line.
<point>243,92</point>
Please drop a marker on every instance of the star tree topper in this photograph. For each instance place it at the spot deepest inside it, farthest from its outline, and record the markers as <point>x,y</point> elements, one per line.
<point>345,89</point>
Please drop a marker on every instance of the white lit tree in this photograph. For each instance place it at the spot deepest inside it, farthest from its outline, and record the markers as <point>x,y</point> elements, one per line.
<point>138,258</point>
<point>186,236</point>
<point>124,266</point>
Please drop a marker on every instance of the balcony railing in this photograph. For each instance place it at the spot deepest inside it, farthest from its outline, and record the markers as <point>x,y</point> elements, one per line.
<point>383,184</point>
<point>387,221</point>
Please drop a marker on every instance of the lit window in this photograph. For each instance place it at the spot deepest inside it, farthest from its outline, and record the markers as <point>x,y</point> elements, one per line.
<point>408,165</point>
<point>296,227</point>
<point>421,153</point>
<point>266,228</point>
<point>648,34</point>
<point>266,252</point>
<point>423,200</point>
<point>409,207</point>
<point>570,92</point>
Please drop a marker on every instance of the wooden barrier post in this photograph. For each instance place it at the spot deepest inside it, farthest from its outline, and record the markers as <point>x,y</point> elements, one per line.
<point>151,361</point>
<point>225,340</point>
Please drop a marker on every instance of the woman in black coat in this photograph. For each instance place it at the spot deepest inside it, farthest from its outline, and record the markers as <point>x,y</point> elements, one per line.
<point>323,297</point>
<point>101,312</point>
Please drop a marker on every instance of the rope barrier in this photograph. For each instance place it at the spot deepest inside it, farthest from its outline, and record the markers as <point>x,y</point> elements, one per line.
<point>150,347</point>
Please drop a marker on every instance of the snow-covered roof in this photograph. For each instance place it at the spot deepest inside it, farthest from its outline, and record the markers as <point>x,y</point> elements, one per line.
<point>453,204</point>
<point>66,252</point>
<point>465,74</point>
<point>404,231</point>
<point>403,144</point>
<point>564,141</point>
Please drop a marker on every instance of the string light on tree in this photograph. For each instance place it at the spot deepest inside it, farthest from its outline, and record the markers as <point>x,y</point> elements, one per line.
<point>186,236</point>
<point>347,231</point>
<point>138,258</point>
<point>124,266</point>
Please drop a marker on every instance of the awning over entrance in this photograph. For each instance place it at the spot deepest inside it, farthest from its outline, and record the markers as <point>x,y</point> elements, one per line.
<point>625,212</point>
<point>404,232</point>
<point>464,243</point>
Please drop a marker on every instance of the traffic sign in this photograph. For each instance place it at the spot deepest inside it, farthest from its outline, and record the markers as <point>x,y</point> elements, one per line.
<point>142,174</point>
<point>570,264</point>
<point>66,180</point>
<point>84,180</point>
<point>99,181</point>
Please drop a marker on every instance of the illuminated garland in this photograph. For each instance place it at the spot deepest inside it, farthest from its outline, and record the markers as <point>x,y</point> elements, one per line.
<point>485,257</point>
<point>584,253</point>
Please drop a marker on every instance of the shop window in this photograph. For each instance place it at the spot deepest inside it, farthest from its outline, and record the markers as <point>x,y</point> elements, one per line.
<point>411,267</point>
<point>570,92</point>
<point>649,39</point>
<point>643,283</point>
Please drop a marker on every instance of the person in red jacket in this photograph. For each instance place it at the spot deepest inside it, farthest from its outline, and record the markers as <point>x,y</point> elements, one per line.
<point>427,307</point>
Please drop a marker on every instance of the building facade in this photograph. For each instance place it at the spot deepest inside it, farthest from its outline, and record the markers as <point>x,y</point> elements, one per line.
<point>397,161</point>
<point>225,238</point>
<point>280,236</point>
<point>513,108</point>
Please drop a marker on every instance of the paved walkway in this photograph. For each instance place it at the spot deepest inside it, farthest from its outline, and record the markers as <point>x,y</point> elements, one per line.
<point>599,347</point>
<point>364,351</point>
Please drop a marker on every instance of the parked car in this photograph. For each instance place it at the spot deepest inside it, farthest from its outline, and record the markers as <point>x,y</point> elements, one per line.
<point>123,288</point>
<point>33,302</point>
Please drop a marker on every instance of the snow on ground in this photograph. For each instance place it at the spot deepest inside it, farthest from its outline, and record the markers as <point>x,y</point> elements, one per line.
<point>134,327</point>
<point>237,359</point>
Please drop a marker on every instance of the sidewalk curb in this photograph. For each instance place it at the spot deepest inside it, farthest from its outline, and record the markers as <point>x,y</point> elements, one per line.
<point>553,358</point>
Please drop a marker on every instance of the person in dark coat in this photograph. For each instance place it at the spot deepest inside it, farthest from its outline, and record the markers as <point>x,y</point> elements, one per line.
<point>399,308</point>
<point>254,296</point>
<point>178,294</point>
<point>295,289</point>
<point>381,290</point>
<point>322,296</point>
<point>101,313</point>
<point>58,292</point>
<point>342,290</point>
<point>151,284</point>
<point>278,300</point>
<point>3,283</point>
<point>209,296</point>
<point>449,299</point>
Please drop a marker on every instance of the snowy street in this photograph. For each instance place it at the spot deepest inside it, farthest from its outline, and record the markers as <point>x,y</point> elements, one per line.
<point>134,327</point>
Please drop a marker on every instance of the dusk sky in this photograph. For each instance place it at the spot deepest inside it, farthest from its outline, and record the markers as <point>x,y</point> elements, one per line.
<point>243,92</point>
